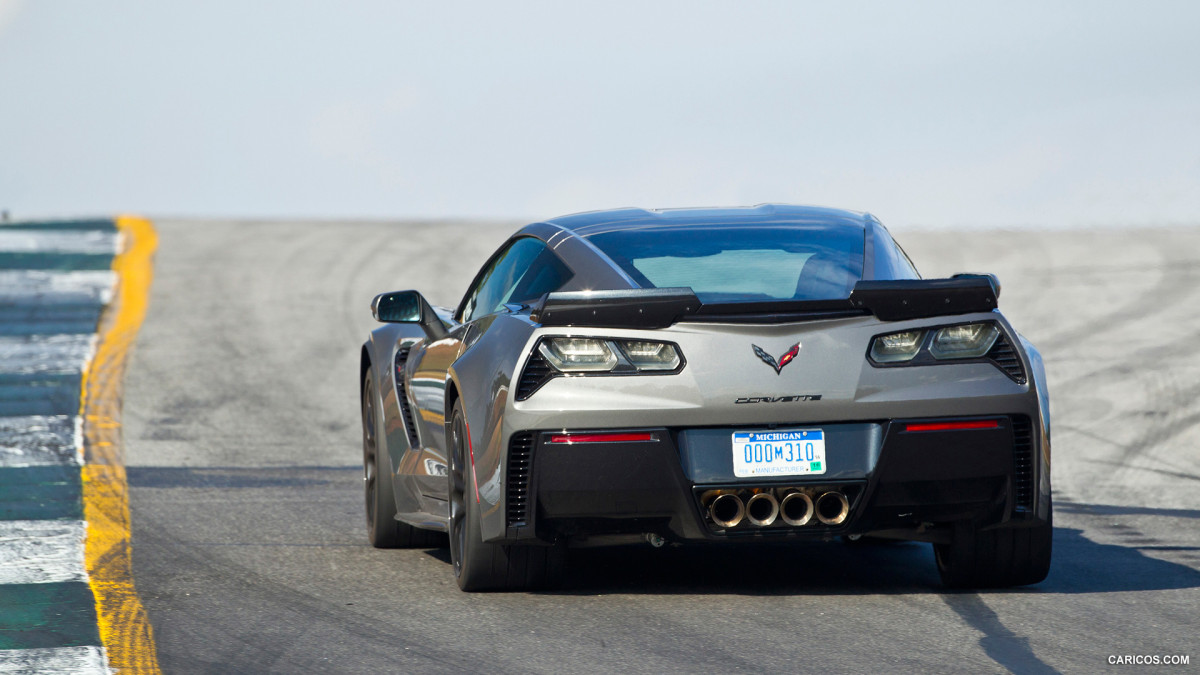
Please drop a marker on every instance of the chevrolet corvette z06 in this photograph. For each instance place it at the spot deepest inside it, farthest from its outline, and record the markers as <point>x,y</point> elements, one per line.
<point>696,376</point>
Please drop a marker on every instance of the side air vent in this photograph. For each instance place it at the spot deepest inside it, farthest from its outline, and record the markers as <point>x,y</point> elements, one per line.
<point>538,371</point>
<point>1005,357</point>
<point>520,461</point>
<point>1022,462</point>
<point>410,426</point>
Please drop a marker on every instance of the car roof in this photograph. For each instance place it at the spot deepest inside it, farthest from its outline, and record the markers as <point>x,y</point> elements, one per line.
<point>592,223</point>
<point>569,235</point>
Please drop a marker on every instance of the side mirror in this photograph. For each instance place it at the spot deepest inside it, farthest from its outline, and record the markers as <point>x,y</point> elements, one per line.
<point>408,307</point>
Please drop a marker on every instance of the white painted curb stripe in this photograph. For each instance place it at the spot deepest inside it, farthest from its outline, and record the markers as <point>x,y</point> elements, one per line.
<point>38,440</point>
<point>80,660</point>
<point>97,242</point>
<point>42,551</point>
<point>40,287</point>
<point>29,354</point>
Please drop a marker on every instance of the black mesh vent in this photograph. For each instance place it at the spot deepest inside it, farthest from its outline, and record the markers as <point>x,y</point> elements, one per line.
<point>520,461</point>
<point>1003,355</point>
<point>1023,462</point>
<point>410,426</point>
<point>537,372</point>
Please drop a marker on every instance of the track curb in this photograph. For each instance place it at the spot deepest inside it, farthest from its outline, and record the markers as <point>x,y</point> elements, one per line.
<point>124,627</point>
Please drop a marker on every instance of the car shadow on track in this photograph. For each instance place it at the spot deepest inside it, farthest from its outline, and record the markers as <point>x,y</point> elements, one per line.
<point>834,568</point>
<point>808,568</point>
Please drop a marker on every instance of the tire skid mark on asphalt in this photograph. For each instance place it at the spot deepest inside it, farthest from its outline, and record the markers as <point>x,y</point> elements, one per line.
<point>1157,369</point>
<point>124,627</point>
<point>261,595</point>
<point>1151,399</point>
<point>256,592</point>
<point>1172,470</point>
<point>1160,303</point>
<point>352,307</point>
<point>1042,309</point>
<point>1176,288</point>
<point>1174,401</point>
<point>296,253</point>
<point>1159,355</point>
<point>227,343</point>
<point>1169,400</point>
<point>1166,296</point>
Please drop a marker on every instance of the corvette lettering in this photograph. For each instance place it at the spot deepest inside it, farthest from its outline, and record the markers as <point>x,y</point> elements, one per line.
<point>778,399</point>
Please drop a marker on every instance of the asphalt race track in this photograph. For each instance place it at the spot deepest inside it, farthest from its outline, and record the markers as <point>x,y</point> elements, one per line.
<point>249,549</point>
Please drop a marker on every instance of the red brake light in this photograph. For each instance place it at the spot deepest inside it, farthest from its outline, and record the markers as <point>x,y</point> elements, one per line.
<point>616,437</point>
<point>952,426</point>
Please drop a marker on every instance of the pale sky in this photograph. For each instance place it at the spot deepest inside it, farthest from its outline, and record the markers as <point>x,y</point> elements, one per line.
<point>925,114</point>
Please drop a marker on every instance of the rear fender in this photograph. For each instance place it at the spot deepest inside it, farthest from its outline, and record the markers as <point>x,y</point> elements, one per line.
<point>482,379</point>
<point>1037,371</point>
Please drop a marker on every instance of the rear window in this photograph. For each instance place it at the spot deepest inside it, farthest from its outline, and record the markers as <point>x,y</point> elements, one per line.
<point>722,263</point>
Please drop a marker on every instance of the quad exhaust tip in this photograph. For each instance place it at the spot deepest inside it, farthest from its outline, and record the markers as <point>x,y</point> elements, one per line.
<point>796,509</point>
<point>727,510</point>
<point>762,509</point>
<point>832,508</point>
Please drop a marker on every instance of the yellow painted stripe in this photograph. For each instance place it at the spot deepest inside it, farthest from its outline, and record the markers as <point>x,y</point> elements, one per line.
<point>124,628</point>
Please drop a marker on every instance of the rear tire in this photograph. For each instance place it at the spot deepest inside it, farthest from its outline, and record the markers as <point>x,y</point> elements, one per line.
<point>480,565</point>
<point>996,558</point>
<point>383,530</point>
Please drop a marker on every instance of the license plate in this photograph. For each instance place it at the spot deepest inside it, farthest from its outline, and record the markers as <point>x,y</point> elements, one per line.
<point>786,452</point>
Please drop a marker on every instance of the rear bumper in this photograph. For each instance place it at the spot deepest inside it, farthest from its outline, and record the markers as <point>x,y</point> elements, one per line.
<point>898,477</point>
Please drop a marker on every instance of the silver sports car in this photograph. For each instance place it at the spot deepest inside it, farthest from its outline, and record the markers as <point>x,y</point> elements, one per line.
<point>700,376</point>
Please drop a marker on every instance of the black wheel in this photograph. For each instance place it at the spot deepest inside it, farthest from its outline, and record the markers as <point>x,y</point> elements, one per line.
<point>996,558</point>
<point>479,565</point>
<point>383,530</point>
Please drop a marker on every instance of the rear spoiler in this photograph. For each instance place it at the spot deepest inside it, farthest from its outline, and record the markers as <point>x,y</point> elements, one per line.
<point>919,298</point>
<point>633,308</point>
<point>662,307</point>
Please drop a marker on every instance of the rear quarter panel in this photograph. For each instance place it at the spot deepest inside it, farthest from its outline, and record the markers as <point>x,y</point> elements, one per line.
<point>482,379</point>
